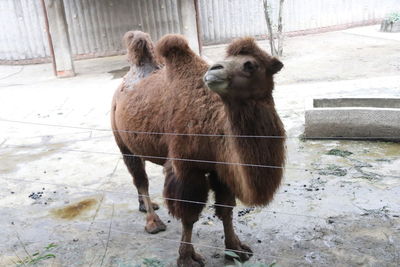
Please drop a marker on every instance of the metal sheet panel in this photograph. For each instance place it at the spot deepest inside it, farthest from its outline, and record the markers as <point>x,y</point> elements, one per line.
<point>97,26</point>
<point>22,34</point>
<point>222,20</point>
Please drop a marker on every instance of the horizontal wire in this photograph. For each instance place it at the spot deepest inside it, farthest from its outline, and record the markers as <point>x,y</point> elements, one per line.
<point>12,74</point>
<point>180,159</point>
<point>207,246</point>
<point>195,202</point>
<point>262,256</point>
<point>176,159</point>
<point>195,160</point>
<point>172,199</point>
<point>141,132</point>
<point>163,158</point>
<point>200,134</point>
<point>222,248</point>
<point>162,197</point>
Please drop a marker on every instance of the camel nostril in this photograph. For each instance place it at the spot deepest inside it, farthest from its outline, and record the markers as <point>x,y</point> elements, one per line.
<point>216,67</point>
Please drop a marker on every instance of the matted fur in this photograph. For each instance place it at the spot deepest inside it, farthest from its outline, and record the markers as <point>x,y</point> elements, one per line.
<point>139,48</point>
<point>174,99</point>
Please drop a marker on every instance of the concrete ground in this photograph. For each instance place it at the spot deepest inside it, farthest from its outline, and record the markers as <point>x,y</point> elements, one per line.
<point>68,200</point>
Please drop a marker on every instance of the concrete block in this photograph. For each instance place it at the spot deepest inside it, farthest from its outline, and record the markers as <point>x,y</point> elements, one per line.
<point>353,118</point>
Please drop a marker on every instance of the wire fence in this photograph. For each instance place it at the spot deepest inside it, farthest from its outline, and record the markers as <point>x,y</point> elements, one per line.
<point>196,134</point>
<point>262,256</point>
<point>172,159</point>
<point>132,194</point>
<point>158,238</point>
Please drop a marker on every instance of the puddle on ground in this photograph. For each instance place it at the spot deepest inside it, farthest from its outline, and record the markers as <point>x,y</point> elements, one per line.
<point>119,73</point>
<point>75,210</point>
<point>383,150</point>
<point>27,153</point>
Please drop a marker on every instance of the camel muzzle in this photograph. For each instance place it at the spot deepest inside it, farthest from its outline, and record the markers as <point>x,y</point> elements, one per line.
<point>216,78</point>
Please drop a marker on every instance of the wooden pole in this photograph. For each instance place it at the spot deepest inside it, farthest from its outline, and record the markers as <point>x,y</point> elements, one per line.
<point>50,43</point>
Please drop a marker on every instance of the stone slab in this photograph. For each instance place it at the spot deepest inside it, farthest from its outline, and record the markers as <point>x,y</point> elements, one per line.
<point>353,118</point>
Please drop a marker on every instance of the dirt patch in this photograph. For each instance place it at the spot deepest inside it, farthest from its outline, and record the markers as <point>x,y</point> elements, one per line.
<point>75,210</point>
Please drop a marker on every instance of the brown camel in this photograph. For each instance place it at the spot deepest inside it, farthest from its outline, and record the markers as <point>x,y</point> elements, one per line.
<point>231,98</point>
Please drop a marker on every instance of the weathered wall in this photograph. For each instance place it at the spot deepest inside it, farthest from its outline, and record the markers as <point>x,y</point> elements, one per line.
<point>97,26</point>
<point>22,34</point>
<point>223,20</point>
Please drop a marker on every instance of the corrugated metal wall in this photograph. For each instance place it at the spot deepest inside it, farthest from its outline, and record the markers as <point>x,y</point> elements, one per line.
<point>22,30</point>
<point>223,20</point>
<point>97,26</point>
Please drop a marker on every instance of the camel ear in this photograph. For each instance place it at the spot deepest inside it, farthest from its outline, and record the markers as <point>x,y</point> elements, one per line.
<point>242,46</point>
<point>274,66</point>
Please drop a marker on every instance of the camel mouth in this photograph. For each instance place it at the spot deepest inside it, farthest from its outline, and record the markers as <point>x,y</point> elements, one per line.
<point>215,83</point>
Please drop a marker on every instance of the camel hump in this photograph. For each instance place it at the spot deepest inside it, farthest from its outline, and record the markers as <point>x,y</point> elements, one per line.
<point>173,45</point>
<point>140,48</point>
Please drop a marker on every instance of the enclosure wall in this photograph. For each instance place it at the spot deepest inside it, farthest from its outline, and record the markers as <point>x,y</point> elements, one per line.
<point>223,20</point>
<point>97,26</point>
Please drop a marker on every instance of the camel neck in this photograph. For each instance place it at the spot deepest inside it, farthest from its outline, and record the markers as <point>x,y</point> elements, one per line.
<point>257,118</point>
<point>252,117</point>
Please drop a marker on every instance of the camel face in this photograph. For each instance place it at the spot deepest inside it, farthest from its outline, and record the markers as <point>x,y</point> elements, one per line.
<point>240,76</point>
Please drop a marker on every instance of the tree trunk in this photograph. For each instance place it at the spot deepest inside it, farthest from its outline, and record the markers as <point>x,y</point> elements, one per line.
<point>280,29</point>
<point>270,31</point>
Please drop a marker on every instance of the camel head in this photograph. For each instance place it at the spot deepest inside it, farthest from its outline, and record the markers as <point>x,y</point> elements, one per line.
<point>245,73</point>
<point>140,48</point>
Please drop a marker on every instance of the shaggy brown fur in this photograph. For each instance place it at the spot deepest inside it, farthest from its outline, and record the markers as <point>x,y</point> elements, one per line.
<point>141,57</point>
<point>140,49</point>
<point>176,99</point>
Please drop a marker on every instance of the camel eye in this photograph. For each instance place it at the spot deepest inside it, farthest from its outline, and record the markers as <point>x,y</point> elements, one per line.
<point>249,67</point>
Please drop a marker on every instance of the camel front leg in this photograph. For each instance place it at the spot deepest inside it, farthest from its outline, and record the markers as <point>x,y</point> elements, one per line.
<point>225,200</point>
<point>232,242</point>
<point>186,192</point>
<point>187,256</point>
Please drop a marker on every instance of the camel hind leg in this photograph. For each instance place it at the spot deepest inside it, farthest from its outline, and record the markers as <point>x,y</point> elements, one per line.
<point>136,168</point>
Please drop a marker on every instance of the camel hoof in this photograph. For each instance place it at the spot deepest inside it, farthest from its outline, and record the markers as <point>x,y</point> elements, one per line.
<point>243,256</point>
<point>154,225</point>
<point>194,260</point>
<point>142,207</point>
